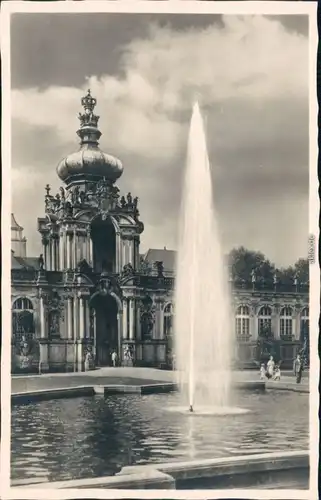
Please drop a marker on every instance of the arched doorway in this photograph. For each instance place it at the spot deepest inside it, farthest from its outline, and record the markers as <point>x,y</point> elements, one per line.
<point>106,327</point>
<point>103,238</point>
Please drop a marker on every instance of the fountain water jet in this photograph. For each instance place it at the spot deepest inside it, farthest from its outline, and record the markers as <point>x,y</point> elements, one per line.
<point>203,343</point>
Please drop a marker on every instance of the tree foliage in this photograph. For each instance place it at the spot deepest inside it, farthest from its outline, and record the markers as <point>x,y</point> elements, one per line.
<point>243,262</point>
<point>299,271</point>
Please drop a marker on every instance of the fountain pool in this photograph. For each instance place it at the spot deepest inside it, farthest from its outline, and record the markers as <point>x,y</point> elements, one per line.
<point>92,436</point>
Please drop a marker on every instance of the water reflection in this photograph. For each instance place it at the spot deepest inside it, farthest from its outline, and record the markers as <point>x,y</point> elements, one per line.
<point>88,437</point>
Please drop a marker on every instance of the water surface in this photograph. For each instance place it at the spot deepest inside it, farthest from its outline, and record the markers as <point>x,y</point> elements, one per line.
<point>93,436</point>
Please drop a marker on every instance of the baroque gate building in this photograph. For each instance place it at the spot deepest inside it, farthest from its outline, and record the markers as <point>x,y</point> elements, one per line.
<point>91,290</point>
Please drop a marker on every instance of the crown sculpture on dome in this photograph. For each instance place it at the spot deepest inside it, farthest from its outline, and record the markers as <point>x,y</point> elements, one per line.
<point>88,118</point>
<point>89,175</point>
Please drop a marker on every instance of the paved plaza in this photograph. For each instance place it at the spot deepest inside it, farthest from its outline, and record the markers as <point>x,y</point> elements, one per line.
<point>124,376</point>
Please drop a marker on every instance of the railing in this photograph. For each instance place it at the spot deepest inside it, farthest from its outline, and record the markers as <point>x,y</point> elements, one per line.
<point>154,282</point>
<point>24,275</point>
<point>157,282</point>
<point>270,287</point>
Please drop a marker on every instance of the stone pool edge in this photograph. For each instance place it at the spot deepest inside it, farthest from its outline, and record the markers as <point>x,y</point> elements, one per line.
<point>181,475</point>
<point>144,389</point>
<point>89,390</point>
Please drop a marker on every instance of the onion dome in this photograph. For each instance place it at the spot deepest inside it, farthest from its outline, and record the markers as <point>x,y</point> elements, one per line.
<point>89,162</point>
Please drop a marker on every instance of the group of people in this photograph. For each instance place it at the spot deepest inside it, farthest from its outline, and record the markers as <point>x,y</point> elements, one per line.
<point>272,369</point>
<point>128,357</point>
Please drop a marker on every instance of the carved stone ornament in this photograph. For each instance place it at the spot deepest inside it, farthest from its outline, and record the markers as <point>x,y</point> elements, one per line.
<point>55,303</point>
<point>127,272</point>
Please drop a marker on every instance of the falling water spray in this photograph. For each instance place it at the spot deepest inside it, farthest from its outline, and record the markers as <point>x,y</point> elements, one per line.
<point>202,330</point>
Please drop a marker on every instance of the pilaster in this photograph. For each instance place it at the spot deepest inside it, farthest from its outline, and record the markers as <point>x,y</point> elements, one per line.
<point>138,323</point>
<point>275,321</point>
<point>43,322</point>
<point>70,333</point>
<point>131,319</point>
<point>43,355</point>
<point>125,319</point>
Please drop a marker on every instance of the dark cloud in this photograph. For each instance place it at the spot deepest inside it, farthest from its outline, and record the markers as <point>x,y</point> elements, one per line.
<point>62,49</point>
<point>256,120</point>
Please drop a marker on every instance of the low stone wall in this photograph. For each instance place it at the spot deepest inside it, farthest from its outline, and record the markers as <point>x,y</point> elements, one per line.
<point>47,394</point>
<point>283,470</point>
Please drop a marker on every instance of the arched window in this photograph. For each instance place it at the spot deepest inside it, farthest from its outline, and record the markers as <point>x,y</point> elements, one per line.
<point>168,321</point>
<point>286,323</point>
<point>304,324</point>
<point>22,319</point>
<point>242,322</point>
<point>22,304</point>
<point>265,321</point>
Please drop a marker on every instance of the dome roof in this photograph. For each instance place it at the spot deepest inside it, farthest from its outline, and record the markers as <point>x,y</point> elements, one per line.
<point>89,162</point>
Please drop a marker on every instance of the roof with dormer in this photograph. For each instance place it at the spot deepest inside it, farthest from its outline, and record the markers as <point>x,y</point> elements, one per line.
<point>168,257</point>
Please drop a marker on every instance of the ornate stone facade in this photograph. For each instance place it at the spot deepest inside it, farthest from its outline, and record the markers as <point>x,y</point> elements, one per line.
<point>90,289</point>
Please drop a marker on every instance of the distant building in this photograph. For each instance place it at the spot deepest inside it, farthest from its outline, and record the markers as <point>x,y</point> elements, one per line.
<point>92,290</point>
<point>18,241</point>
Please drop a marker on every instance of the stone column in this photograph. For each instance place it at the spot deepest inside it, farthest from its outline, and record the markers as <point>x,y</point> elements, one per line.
<point>87,320</point>
<point>65,247</point>
<point>119,329</point>
<point>161,321</point>
<point>88,247</point>
<point>81,318</point>
<point>296,323</point>
<point>119,252</point>
<point>131,319</point>
<point>125,312</point>
<point>53,253</point>
<point>74,250</point>
<point>43,341</point>
<point>61,252</point>
<point>138,325</point>
<point>123,251</point>
<point>76,318</point>
<point>68,263</point>
<point>43,329</point>
<point>70,318</point>
<point>44,251</point>
<point>94,333</point>
<point>131,252</point>
<point>117,268</point>
<point>158,332</point>
<point>91,252</point>
<point>253,326</point>
<point>50,254</point>
<point>275,322</point>
<point>294,332</point>
<point>54,248</point>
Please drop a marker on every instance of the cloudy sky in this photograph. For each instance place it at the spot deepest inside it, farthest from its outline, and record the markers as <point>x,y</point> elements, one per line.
<point>251,77</point>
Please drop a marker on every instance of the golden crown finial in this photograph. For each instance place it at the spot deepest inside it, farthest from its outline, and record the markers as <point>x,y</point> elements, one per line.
<point>88,102</point>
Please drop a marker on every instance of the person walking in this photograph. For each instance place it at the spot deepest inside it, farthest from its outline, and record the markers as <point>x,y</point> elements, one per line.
<point>277,373</point>
<point>114,358</point>
<point>88,361</point>
<point>270,367</point>
<point>298,369</point>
